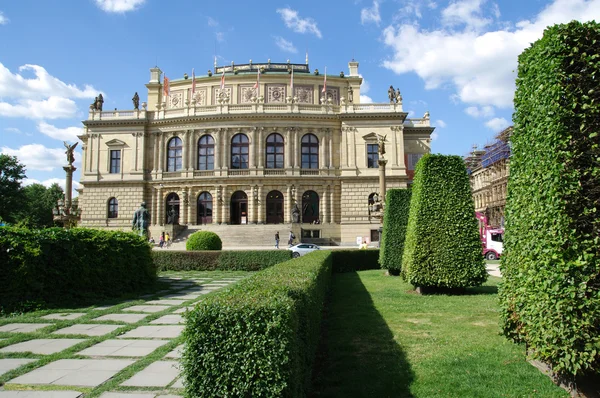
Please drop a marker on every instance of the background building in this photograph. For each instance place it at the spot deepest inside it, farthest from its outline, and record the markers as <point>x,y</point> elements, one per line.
<point>234,150</point>
<point>489,169</point>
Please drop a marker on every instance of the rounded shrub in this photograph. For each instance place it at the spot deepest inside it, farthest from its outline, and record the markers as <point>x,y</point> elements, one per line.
<point>204,240</point>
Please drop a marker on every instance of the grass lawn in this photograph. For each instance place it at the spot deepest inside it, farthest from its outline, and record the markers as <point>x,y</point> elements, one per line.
<point>380,339</point>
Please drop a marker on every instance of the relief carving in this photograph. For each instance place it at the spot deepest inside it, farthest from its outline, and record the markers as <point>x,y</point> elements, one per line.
<point>200,97</point>
<point>176,99</point>
<point>304,94</point>
<point>276,93</point>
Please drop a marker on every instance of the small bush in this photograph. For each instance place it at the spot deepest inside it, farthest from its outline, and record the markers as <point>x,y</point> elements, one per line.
<point>204,240</point>
<point>56,266</point>
<point>442,247</point>
<point>354,260</point>
<point>236,260</point>
<point>395,221</point>
<point>259,337</point>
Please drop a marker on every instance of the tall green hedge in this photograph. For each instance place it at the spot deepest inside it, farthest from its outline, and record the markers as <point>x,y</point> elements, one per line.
<point>56,266</point>
<point>551,259</point>
<point>211,260</point>
<point>442,247</point>
<point>354,260</point>
<point>259,338</point>
<point>395,220</point>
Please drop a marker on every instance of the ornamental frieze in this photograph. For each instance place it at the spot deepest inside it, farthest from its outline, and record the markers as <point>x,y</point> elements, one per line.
<point>276,93</point>
<point>304,94</point>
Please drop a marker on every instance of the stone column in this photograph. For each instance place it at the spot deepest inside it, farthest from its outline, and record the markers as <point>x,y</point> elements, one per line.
<point>260,147</point>
<point>254,148</point>
<point>217,150</point>
<point>400,133</point>
<point>216,205</point>
<point>68,185</point>
<point>155,207</point>
<point>143,157</point>
<point>330,141</point>
<point>97,154</point>
<point>225,205</point>
<point>191,203</point>
<point>159,207</point>
<point>296,147</point>
<point>161,151</point>
<point>287,205</point>
<point>261,206</point>
<point>352,154</point>
<point>324,206</point>
<point>288,148</point>
<point>155,152</point>
<point>225,145</point>
<point>184,151</point>
<point>322,149</point>
<point>382,187</point>
<point>332,204</point>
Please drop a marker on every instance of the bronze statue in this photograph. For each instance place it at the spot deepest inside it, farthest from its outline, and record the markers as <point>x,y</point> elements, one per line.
<point>381,143</point>
<point>94,104</point>
<point>350,94</point>
<point>398,96</point>
<point>136,101</point>
<point>295,213</point>
<point>391,94</point>
<point>69,152</point>
<point>141,220</point>
<point>99,102</point>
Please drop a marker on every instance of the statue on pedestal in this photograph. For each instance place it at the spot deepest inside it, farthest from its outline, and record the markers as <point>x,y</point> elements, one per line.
<point>141,220</point>
<point>69,152</point>
<point>136,101</point>
<point>381,144</point>
<point>295,213</point>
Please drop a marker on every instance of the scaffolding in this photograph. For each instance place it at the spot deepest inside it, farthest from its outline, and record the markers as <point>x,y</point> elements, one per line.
<point>497,151</point>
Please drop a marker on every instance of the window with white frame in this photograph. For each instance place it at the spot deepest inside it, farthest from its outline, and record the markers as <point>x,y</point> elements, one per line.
<point>413,158</point>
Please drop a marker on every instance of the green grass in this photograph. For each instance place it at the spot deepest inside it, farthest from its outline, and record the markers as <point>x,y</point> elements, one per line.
<point>380,339</point>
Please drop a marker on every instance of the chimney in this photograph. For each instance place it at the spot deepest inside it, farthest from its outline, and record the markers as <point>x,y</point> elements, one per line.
<point>353,67</point>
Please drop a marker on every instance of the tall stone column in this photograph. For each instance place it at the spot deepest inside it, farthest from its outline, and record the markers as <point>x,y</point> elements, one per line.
<point>288,148</point>
<point>225,145</point>
<point>155,207</point>
<point>161,150</point>
<point>216,205</point>
<point>296,147</point>
<point>225,205</point>
<point>217,150</point>
<point>254,147</point>
<point>261,206</point>
<point>184,153</point>
<point>324,209</point>
<point>135,152</point>
<point>331,204</point>
<point>330,141</point>
<point>155,153</point>
<point>260,147</point>
<point>160,207</point>
<point>322,149</point>
<point>287,205</point>
<point>190,205</point>
<point>382,187</point>
<point>69,185</point>
<point>143,157</point>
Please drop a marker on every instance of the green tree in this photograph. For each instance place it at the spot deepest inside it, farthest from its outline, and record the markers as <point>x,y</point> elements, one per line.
<point>39,203</point>
<point>395,221</point>
<point>12,196</point>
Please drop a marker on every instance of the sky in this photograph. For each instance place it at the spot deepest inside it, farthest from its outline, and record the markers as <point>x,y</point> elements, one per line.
<point>456,59</point>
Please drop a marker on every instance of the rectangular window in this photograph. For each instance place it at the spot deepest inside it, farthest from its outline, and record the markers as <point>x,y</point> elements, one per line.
<point>372,156</point>
<point>374,235</point>
<point>115,161</point>
<point>413,158</point>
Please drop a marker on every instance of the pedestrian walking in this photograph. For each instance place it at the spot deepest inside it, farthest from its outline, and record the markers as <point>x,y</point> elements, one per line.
<point>277,240</point>
<point>292,237</point>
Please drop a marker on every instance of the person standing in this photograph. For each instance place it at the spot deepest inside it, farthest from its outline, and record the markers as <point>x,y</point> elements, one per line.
<point>277,240</point>
<point>167,240</point>
<point>292,237</point>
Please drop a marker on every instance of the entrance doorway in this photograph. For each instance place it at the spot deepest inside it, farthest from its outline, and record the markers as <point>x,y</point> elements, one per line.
<point>239,208</point>
<point>274,207</point>
<point>205,209</point>
<point>310,208</point>
<point>172,210</point>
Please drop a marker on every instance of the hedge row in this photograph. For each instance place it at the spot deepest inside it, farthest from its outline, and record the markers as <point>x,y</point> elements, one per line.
<point>210,260</point>
<point>395,221</point>
<point>551,260</point>
<point>204,240</point>
<point>56,266</point>
<point>258,338</point>
<point>442,247</point>
<point>354,260</point>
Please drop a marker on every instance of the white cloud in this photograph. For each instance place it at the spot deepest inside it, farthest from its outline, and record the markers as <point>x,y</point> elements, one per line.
<point>440,123</point>
<point>434,136</point>
<point>212,22</point>
<point>467,12</point>
<point>13,130</point>
<point>67,134</point>
<point>297,24</point>
<point>119,6</point>
<point>480,112</point>
<point>38,157</point>
<point>365,99</point>
<point>43,85</point>
<point>479,66</point>
<point>364,86</point>
<point>220,36</point>
<point>52,108</point>
<point>414,8</point>
<point>285,45</point>
<point>497,124</point>
<point>3,19</point>
<point>371,14</point>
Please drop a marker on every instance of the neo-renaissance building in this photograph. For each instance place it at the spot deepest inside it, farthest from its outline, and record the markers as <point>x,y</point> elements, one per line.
<point>234,150</point>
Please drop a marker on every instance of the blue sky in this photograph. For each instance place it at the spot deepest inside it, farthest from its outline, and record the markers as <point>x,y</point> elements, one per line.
<point>455,59</point>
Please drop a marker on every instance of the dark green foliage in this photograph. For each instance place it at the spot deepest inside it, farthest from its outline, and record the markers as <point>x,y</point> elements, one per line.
<point>203,240</point>
<point>354,260</point>
<point>395,221</point>
<point>551,259</point>
<point>442,247</point>
<point>39,202</point>
<point>12,197</point>
<point>259,337</point>
<point>56,266</point>
<point>207,260</point>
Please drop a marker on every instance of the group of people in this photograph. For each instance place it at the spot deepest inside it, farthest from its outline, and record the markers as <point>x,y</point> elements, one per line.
<point>163,241</point>
<point>291,238</point>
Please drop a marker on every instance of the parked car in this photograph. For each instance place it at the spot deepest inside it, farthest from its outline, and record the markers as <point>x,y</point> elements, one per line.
<point>303,248</point>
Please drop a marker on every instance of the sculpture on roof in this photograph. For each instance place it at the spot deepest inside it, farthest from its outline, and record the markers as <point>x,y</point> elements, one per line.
<point>136,101</point>
<point>391,94</point>
<point>69,152</point>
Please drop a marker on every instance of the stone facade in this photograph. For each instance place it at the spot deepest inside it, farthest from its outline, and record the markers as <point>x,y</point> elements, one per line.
<point>244,155</point>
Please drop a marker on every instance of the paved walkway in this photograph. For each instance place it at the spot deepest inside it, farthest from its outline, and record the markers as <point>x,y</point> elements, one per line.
<point>104,346</point>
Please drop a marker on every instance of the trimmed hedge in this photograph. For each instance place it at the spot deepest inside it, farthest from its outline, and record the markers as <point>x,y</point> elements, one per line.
<point>203,240</point>
<point>56,266</point>
<point>550,296</point>
<point>259,337</point>
<point>354,260</point>
<point>442,247</point>
<point>395,221</point>
<point>235,260</point>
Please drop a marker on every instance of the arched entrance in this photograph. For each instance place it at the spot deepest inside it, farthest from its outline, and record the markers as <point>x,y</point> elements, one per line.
<point>310,207</point>
<point>172,209</point>
<point>205,209</point>
<point>274,207</point>
<point>239,208</point>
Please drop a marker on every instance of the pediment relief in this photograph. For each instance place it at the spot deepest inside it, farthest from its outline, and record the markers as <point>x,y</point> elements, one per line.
<point>370,137</point>
<point>115,142</point>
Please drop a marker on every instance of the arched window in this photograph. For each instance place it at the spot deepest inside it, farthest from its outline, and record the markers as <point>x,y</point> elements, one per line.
<point>205,208</point>
<point>172,209</point>
<point>310,207</point>
<point>274,207</point>
<point>310,152</point>
<point>239,151</point>
<point>113,208</point>
<point>274,155</point>
<point>206,153</point>
<point>175,154</point>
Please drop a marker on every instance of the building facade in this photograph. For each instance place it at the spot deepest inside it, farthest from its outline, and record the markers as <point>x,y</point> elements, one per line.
<point>489,170</point>
<point>245,145</point>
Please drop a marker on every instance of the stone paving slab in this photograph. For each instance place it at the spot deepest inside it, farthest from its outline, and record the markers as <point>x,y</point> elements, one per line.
<point>168,320</point>
<point>182,296</point>
<point>8,364</point>
<point>184,309</point>
<point>165,302</point>
<point>146,308</point>
<point>176,353</point>
<point>65,315</point>
<point>23,327</point>
<point>178,383</point>
<point>127,395</point>
<point>88,329</point>
<point>154,332</point>
<point>123,348</point>
<point>127,318</point>
<point>102,308</point>
<point>157,374</point>
<point>40,394</point>
<point>42,346</point>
